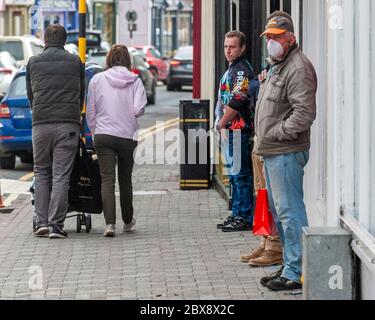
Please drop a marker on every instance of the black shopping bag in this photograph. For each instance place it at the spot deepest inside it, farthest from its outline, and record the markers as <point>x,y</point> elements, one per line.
<point>85,183</point>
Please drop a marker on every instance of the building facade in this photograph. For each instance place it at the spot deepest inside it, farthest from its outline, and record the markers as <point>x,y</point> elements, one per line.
<point>63,12</point>
<point>103,14</point>
<point>141,34</point>
<point>16,20</point>
<point>171,25</point>
<point>2,11</point>
<point>339,38</point>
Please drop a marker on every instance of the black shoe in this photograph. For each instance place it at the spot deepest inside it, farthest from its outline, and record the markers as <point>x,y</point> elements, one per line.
<point>225,223</point>
<point>283,284</point>
<point>237,225</point>
<point>41,232</point>
<point>271,277</point>
<point>57,233</point>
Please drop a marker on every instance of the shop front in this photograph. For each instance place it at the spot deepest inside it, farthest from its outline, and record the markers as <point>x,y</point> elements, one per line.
<point>339,37</point>
<point>104,19</point>
<point>63,12</point>
<point>16,17</point>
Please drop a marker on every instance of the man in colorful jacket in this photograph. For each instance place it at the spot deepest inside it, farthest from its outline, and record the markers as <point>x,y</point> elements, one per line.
<point>234,120</point>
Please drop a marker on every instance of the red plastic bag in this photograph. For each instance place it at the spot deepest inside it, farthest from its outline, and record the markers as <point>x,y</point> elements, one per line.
<point>263,221</point>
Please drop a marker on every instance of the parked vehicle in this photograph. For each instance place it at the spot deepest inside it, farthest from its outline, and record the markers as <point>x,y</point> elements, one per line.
<point>98,57</point>
<point>140,67</point>
<point>158,63</point>
<point>8,68</point>
<point>181,69</point>
<point>72,48</point>
<point>15,124</point>
<point>22,48</point>
<point>93,39</point>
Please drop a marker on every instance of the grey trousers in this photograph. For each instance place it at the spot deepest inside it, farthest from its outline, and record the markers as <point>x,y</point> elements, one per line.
<point>111,151</point>
<point>54,147</point>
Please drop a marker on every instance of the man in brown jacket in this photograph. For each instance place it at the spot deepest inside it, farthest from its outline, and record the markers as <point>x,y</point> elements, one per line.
<point>285,112</point>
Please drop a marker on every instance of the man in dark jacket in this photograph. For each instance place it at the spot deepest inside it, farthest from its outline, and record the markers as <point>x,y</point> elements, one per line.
<point>56,90</point>
<point>234,119</point>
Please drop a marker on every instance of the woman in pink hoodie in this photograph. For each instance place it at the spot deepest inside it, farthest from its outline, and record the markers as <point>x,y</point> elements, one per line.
<point>116,98</point>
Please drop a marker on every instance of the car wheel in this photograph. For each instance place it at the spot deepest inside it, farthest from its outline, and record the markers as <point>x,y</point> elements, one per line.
<point>8,162</point>
<point>171,87</point>
<point>151,99</point>
<point>154,72</point>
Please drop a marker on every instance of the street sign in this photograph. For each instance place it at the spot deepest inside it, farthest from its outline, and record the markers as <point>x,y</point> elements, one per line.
<point>132,27</point>
<point>131,16</point>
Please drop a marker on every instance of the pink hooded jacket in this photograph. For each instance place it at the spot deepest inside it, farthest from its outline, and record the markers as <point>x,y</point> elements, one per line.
<point>116,98</point>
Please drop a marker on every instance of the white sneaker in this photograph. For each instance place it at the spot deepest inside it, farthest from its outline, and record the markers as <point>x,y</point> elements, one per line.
<point>110,231</point>
<point>130,227</point>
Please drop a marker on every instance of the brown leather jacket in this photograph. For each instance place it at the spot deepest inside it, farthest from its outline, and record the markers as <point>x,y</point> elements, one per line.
<point>286,107</point>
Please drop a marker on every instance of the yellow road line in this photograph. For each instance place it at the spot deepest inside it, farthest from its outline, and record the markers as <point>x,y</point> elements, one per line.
<point>27,177</point>
<point>150,134</point>
<point>157,126</point>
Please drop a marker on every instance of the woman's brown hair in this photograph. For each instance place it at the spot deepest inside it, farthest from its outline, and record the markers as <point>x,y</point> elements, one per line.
<point>118,56</point>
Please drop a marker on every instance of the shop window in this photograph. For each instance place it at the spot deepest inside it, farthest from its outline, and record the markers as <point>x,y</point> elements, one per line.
<point>17,23</point>
<point>235,15</point>
<point>358,115</point>
<point>275,5</point>
<point>104,19</point>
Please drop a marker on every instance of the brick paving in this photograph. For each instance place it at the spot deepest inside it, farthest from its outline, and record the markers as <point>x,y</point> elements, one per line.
<point>176,252</point>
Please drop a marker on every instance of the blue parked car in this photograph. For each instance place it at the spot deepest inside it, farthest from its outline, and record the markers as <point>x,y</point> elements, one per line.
<point>15,124</point>
<point>16,119</point>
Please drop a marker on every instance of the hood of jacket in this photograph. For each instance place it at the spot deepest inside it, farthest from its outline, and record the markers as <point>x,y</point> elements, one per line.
<point>120,77</point>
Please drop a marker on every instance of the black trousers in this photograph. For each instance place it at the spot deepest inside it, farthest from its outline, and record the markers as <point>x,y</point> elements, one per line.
<point>114,151</point>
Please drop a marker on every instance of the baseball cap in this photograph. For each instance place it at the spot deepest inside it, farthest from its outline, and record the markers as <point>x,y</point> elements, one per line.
<point>278,25</point>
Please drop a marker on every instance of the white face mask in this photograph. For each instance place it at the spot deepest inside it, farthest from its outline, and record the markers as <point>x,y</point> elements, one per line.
<point>275,49</point>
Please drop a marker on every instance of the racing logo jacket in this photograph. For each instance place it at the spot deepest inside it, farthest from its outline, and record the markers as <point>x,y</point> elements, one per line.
<point>234,92</point>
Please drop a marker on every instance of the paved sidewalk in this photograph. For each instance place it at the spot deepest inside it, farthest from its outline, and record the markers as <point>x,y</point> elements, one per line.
<point>176,252</point>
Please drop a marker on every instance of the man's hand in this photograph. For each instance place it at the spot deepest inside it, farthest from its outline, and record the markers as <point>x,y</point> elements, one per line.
<point>229,115</point>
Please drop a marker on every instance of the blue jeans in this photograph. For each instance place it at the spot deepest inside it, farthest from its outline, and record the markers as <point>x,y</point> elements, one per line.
<point>240,171</point>
<point>284,175</point>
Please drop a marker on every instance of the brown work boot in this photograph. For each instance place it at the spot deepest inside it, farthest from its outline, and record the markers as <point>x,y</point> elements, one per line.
<point>256,253</point>
<point>274,244</point>
<point>267,259</point>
